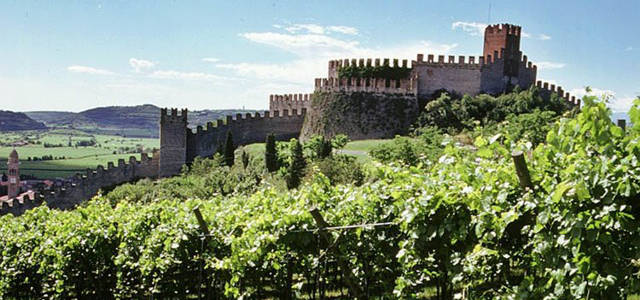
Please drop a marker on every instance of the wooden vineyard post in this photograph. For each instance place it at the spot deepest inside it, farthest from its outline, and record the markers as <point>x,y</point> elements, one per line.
<point>325,238</point>
<point>205,236</point>
<point>622,123</point>
<point>522,170</point>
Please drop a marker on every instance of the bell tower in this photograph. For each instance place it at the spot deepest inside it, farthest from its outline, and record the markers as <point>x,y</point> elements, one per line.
<point>13,166</point>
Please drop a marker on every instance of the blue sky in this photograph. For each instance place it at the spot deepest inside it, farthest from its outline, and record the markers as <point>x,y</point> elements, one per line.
<point>74,55</point>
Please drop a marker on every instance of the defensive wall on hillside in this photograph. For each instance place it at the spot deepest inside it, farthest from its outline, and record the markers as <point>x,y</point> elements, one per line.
<point>179,145</point>
<point>84,186</point>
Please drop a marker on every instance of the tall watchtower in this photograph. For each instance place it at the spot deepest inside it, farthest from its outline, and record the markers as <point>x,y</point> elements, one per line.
<point>505,39</point>
<point>173,142</point>
<point>13,166</point>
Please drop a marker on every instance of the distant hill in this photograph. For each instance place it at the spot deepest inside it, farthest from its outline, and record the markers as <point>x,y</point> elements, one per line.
<point>140,121</point>
<point>12,121</point>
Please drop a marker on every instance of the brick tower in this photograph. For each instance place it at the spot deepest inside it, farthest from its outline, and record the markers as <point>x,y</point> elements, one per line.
<point>173,142</point>
<point>505,39</point>
<point>14,174</point>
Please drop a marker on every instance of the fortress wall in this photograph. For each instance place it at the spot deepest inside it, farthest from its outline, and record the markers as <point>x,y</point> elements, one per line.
<point>546,90</point>
<point>462,76</point>
<point>493,80</point>
<point>245,129</point>
<point>360,115</point>
<point>368,85</point>
<point>336,64</point>
<point>289,102</point>
<point>173,141</point>
<point>527,73</point>
<point>82,187</point>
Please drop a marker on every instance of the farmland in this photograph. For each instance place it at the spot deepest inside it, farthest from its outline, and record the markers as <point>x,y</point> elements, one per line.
<point>62,153</point>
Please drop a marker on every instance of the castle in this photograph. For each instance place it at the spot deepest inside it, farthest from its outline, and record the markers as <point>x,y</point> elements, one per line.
<point>363,98</point>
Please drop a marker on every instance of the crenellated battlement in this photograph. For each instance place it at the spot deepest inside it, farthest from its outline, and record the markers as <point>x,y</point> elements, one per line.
<point>369,85</point>
<point>289,102</point>
<point>460,61</point>
<point>552,88</point>
<point>247,119</point>
<point>503,29</point>
<point>84,186</point>
<point>336,64</point>
<point>172,116</point>
<point>245,129</point>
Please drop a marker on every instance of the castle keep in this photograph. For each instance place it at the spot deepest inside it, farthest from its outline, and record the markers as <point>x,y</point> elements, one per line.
<point>363,98</point>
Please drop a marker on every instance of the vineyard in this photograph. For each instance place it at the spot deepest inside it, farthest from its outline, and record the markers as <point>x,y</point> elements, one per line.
<point>476,221</point>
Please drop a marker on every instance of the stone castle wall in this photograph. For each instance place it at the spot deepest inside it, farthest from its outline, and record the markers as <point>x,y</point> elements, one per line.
<point>461,76</point>
<point>547,89</point>
<point>336,64</point>
<point>368,85</point>
<point>360,115</point>
<point>288,102</point>
<point>83,187</point>
<point>244,130</point>
<point>173,141</point>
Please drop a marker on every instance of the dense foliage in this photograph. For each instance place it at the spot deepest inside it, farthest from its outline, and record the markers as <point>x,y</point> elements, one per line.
<point>461,227</point>
<point>466,112</point>
<point>384,71</point>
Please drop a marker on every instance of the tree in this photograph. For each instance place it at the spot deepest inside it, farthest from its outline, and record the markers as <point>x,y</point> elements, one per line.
<point>297,164</point>
<point>245,159</point>
<point>229,150</point>
<point>271,153</point>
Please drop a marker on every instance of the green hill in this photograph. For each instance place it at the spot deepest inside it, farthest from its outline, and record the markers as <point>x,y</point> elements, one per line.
<point>135,121</point>
<point>12,121</point>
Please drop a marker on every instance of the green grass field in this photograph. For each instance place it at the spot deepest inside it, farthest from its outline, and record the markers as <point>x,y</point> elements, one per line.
<point>358,149</point>
<point>107,148</point>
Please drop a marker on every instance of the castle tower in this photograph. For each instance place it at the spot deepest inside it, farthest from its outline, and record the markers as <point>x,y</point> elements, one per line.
<point>173,142</point>
<point>505,39</point>
<point>14,174</point>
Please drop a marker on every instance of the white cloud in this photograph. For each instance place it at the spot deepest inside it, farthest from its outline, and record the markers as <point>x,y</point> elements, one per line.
<point>616,103</point>
<point>171,74</point>
<point>628,48</point>
<point>310,28</point>
<point>302,44</point>
<point>548,65</point>
<point>141,64</point>
<point>581,92</point>
<point>314,50</point>
<point>473,28</point>
<point>318,29</point>
<point>543,37</point>
<point>622,104</point>
<point>343,29</point>
<point>477,29</point>
<point>89,70</point>
<point>211,59</point>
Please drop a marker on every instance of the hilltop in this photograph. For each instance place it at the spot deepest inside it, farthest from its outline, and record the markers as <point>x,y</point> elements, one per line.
<point>12,121</point>
<point>140,121</point>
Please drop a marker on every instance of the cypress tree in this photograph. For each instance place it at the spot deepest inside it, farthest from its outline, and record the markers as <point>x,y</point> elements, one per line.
<point>325,148</point>
<point>271,154</point>
<point>297,165</point>
<point>229,155</point>
<point>245,159</point>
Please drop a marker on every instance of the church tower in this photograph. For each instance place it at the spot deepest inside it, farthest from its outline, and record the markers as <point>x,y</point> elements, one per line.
<point>14,174</point>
